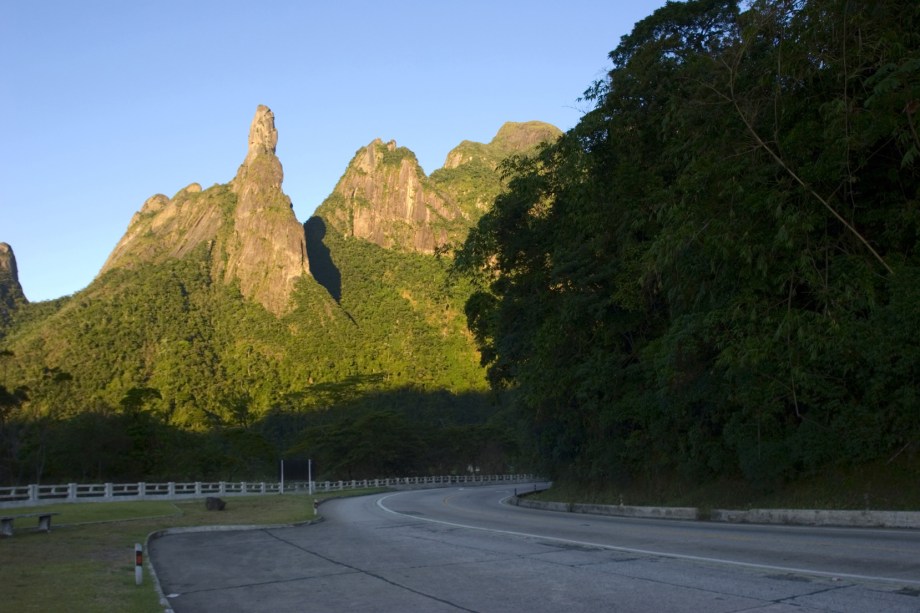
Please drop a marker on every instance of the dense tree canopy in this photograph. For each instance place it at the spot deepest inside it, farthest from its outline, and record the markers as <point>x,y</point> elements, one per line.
<point>716,272</point>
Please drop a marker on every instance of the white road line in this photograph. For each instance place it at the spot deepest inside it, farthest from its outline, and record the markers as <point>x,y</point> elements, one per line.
<point>678,556</point>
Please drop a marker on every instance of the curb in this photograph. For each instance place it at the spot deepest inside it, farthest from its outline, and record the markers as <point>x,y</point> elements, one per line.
<point>791,517</point>
<point>686,513</point>
<point>821,517</point>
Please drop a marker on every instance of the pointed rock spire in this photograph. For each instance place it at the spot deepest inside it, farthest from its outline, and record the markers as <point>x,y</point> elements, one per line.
<point>8,263</point>
<point>263,137</point>
<point>252,233</point>
<point>261,165</point>
<point>11,295</point>
<point>268,251</point>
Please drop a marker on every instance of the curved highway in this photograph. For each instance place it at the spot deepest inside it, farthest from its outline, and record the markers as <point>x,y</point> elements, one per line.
<point>466,549</point>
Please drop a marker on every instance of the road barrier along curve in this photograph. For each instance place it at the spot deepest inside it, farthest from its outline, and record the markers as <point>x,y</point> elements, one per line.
<point>35,494</point>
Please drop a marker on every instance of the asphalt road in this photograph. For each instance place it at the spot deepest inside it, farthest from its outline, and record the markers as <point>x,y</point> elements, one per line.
<point>465,550</point>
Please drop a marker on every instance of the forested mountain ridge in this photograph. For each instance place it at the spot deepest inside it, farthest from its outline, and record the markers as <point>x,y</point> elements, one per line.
<point>470,174</point>
<point>208,346</point>
<point>715,274</point>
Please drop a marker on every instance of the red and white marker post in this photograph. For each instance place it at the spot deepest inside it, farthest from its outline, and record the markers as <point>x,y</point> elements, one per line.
<point>138,564</point>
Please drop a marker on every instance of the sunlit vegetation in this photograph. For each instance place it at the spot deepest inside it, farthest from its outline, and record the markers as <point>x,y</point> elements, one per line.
<point>175,376</point>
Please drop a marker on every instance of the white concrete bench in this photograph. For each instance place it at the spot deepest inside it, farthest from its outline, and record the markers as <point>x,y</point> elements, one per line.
<point>44,522</point>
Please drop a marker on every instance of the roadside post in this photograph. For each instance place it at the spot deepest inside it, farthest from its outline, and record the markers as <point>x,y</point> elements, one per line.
<point>138,564</point>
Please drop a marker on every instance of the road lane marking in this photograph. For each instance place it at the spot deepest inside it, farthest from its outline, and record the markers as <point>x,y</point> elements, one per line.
<point>765,536</point>
<point>661,554</point>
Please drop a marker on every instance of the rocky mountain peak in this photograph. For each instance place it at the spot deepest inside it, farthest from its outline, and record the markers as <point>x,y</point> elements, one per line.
<point>250,227</point>
<point>263,137</point>
<point>261,166</point>
<point>471,174</point>
<point>521,136</point>
<point>513,137</point>
<point>267,252</point>
<point>8,262</point>
<point>384,197</point>
<point>11,294</point>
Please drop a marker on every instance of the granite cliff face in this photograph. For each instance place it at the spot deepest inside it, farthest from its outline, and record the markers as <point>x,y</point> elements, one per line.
<point>168,227</point>
<point>267,249</point>
<point>11,296</point>
<point>253,237</point>
<point>384,196</point>
<point>9,273</point>
<point>248,226</point>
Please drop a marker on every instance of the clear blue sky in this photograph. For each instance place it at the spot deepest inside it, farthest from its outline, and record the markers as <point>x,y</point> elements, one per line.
<point>109,103</point>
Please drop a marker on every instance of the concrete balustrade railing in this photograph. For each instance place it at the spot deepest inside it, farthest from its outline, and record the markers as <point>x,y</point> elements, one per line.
<point>35,494</point>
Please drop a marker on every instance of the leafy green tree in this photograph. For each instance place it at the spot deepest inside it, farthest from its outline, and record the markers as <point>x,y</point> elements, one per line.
<point>10,430</point>
<point>702,277</point>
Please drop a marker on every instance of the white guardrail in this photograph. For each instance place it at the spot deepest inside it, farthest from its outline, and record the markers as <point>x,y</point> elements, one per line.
<point>30,495</point>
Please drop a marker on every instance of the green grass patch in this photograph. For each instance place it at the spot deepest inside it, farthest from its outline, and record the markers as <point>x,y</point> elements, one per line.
<point>86,562</point>
<point>86,512</point>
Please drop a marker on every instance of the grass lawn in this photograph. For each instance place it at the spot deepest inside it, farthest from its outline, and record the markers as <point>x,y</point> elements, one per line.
<point>86,562</point>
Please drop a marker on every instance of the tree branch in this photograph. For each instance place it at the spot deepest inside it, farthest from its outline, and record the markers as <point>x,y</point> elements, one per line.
<point>779,160</point>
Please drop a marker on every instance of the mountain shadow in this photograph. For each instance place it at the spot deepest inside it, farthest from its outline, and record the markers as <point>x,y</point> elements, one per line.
<point>398,432</point>
<point>364,434</point>
<point>322,267</point>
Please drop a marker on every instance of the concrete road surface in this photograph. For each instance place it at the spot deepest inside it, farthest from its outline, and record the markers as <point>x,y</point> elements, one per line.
<point>465,550</point>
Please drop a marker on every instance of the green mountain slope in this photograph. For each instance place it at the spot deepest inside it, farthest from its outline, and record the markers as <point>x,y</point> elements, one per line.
<point>471,175</point>
<point>184,353</point>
